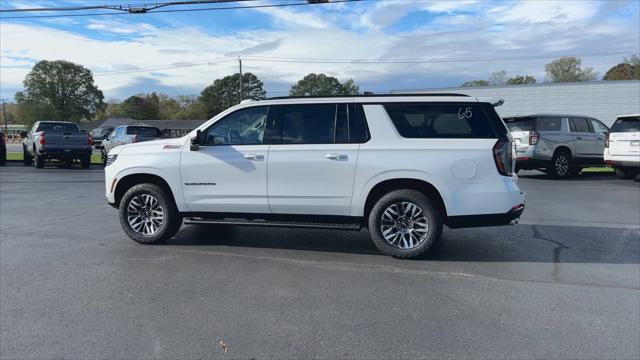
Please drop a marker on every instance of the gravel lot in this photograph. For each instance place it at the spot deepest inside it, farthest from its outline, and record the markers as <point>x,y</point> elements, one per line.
<point>565,283</point>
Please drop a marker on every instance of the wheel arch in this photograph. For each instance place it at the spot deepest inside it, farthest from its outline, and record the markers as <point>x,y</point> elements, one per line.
<point>565,148</point>
<point>386,186</point>
<point>128,181</point>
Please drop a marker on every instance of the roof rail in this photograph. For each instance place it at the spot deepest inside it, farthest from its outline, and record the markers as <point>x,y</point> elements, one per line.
<point>370,95</point>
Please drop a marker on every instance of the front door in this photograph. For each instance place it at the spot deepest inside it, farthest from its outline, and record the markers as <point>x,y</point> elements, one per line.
<point>228,173</point>
<point>312,169</point>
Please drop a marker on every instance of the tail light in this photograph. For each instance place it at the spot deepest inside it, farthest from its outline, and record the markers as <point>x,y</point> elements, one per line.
<point>503,155</point>
<point>606,140</point>
<point>90,141</point>
<point>135,139</point>
<point>533,137</point>
<point>42,138</point>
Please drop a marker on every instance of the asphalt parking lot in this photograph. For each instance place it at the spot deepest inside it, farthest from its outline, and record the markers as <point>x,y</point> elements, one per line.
<point>565,283</point>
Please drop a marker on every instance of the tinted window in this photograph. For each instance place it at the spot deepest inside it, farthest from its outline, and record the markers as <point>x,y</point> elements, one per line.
<point>57,127</point>
<point>519,124</point>
<point>427,120</point>
<point>598,127</point>
<point>579,125</point>
<point>309,124</point>
<point>548,124</point>
<point>243,127</point>
<point>358,131</point>
<point>144,131</point>
<point>626,125</point>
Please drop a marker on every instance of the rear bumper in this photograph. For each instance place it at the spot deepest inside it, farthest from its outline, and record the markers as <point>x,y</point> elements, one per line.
<point>65,151</point>
<point>467,221</point>
<point>623,163</point>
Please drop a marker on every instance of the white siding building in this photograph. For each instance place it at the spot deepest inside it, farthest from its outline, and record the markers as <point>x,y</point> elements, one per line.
<point>603,100</point>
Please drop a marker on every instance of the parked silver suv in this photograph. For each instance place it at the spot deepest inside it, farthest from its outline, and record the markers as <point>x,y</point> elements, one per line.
<point>559,144</point>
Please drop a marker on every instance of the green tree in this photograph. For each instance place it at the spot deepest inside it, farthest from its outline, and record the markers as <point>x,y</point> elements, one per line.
<point>520,79</point>
<point>568,69</point>
<point>323,85</point>
<point>628,69</point>
<point>141,107</point>
<point>59,90</point>
<point>224,92</point>
<point>476,83</point>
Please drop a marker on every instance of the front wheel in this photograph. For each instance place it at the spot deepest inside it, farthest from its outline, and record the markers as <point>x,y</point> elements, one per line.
<point>559,167</point>
<point>405,223</point>
<point>148,215</point>
<point>103,154</point>
<point>85,161</point>
<point>26,157</point>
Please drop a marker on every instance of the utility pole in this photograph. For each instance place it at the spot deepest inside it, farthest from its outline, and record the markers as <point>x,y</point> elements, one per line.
<point>4,115</point>
<point>240,81</point>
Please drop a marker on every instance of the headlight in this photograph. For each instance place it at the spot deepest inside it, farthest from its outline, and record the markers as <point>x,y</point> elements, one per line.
<point>111,159</point>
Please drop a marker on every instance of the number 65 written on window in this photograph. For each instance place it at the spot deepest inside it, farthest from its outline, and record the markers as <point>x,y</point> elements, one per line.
<point>467,114</point>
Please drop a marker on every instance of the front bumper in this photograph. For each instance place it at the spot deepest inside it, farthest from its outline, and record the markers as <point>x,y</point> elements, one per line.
<point>511,217</point>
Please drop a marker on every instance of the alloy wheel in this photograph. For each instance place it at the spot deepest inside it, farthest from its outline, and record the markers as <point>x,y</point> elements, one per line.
<point>561,165</point>
<point>404,225</point>
<point>145,214</point>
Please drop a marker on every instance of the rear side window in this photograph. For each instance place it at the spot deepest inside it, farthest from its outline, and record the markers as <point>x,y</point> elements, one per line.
<point>626,125</point>
<point>548,124</point>
<point>432,120</point>
<point>579,125</point>
<point>144,131</point>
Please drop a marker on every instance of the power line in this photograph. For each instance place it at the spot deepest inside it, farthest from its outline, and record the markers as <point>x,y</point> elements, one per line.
<point>134,9</point>
<point>180,10</point>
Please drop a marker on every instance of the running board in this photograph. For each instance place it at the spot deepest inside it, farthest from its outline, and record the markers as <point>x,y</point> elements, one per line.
<point>266,222</point>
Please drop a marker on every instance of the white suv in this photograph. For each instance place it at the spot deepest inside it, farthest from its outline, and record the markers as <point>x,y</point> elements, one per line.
<point>403,166</point>
<point>622,146</point>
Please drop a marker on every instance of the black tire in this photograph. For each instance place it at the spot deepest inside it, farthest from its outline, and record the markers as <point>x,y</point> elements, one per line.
<point>38,160</point>
<point>169,226</point>
<point>27,160</point>
<point>559,168</point>
<point>103,155</point>
<point>85,161</point>
<point>395,198</point>
<point>3,158</point>
<point>625,174</point>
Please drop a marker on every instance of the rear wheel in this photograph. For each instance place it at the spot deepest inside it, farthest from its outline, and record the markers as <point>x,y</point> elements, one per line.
<point>103,154</point>
<point>26,157</point>
<point>38,160</point>
<point>559,167</point>
<point>405,223</point>
<point>148,215</point>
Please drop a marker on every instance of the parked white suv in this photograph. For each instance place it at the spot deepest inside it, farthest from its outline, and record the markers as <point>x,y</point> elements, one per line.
<point>622,146</point>
<point>403,166</point>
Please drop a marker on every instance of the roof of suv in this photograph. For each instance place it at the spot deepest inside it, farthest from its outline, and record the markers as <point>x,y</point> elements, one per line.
<point>376,98</point>
<point>366,96</point>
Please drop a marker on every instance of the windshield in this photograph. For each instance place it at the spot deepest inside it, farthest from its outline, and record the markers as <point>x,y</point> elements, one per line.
<point>144,131</point>
<point>626,125</point>
<point>518,124</point>
<point>58,127</point>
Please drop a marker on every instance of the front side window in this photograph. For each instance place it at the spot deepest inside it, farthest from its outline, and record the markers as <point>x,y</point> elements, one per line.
<point>144,131</point>
<point>428,120</point>
<point>548,124</point>
<point>310,124</point>
<point>243,127</point>
<point>599,127</point>
<point>579,125</point>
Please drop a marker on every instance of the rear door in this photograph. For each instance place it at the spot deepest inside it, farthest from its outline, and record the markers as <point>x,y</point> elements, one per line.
<point>583,140</point>
<point>312,168</point>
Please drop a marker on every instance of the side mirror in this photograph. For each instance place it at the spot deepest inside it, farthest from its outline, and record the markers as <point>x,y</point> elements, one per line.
<point>23,134</point>
<point>195,141</point>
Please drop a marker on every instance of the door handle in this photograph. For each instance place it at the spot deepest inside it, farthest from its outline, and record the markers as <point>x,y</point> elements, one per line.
<point>253,156</point>
<point>339,157</point>
<point>578,137</point>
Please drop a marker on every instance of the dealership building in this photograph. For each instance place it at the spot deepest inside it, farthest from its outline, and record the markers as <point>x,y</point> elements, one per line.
<point>603,100</point>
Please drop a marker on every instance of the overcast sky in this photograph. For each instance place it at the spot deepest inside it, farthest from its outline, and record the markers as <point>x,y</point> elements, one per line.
<point>180,53</point>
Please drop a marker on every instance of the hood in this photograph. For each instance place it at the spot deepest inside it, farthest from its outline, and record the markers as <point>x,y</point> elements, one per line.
<point>159,144</point>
